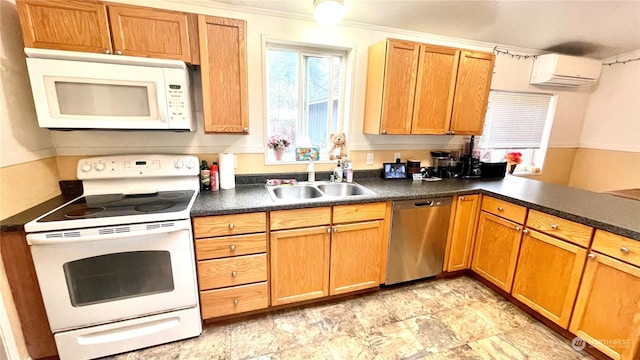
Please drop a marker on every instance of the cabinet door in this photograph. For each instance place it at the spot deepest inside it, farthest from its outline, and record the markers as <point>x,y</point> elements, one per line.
<point>472,92</point>
<point>400,74</point>
<point>355,257</point>
<point>299,264</point>
<point>64,25</point>
<point>463,229</point>
<point>607,310</point>
<point>164,34</point>
<point>496,250</point>
<point>548,275</point>
<point>223,62</point>
<point>435,87</point>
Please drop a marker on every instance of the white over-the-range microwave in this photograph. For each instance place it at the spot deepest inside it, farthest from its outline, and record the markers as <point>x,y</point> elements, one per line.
<point>75,90</point>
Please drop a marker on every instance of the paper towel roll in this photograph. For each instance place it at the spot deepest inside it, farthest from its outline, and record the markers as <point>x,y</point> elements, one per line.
<point>227,173</point>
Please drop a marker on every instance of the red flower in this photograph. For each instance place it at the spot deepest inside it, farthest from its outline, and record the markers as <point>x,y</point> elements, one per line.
<point>513,157</point>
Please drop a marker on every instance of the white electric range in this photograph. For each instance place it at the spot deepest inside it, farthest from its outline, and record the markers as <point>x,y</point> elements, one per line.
<point>116,265</point>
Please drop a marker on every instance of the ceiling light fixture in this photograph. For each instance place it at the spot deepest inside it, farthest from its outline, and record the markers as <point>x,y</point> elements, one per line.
<point>328,12</point>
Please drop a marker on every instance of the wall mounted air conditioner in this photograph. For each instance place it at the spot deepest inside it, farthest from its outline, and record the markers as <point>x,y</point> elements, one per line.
<point>563,70</point>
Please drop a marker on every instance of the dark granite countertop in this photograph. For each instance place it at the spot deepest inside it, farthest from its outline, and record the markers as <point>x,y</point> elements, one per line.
<point>16,222</point>
<point>604,211</point>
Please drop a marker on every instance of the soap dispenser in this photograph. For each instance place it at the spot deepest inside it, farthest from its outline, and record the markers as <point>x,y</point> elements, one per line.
<point>311,171</point>
<point>337,173</point>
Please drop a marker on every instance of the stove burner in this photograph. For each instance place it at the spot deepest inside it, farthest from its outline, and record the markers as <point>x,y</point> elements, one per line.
<point>83,212</point>
<point>171,194</point>
<point>154,206</point>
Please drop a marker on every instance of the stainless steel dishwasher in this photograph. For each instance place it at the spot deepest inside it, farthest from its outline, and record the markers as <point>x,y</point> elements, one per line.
<point>418,238</point>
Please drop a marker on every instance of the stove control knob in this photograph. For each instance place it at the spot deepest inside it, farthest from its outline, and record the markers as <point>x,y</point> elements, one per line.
<point>86,167</point>
<point>179,164</point>
<point>99,166</point>
<point>191,164</point>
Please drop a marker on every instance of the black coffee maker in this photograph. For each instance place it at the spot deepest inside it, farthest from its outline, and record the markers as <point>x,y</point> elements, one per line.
<point>470,165</point>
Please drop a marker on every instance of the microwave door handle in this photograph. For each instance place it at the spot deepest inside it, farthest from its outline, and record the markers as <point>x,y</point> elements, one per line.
<point>41,238</point>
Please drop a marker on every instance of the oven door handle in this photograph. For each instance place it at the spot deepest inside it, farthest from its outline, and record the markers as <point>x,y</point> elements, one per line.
<point>76,236</point>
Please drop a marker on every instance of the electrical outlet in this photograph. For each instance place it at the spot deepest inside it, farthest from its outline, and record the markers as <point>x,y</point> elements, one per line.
<point>396,156</point>
<point>369,158</point>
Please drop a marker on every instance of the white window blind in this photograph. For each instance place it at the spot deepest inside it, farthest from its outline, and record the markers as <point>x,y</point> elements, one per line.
<point>515,120</point>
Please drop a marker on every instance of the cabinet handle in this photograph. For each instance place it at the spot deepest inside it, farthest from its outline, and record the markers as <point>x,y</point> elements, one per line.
<point>591,256</point>
<point>384,132</point>
<point>461,198</point>
<point>517,228</point>
<point>525,231</point>
<point>234,274</point>
<point>554,227</point>
<point>452,132</point>
<point>231,226</point>
<point>624,250</point>
<point>232,248</point>
<point>245,130</point>
<point>335,229</point>
<point>106,51</point>
<point>500,208</point>
<point>118,52</point>
<point>235,301</point>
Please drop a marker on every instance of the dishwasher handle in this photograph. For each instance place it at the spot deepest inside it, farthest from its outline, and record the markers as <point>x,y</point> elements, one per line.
<point>423,203</point>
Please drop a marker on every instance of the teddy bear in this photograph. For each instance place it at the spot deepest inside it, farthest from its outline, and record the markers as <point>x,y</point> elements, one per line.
<point>338,149</point>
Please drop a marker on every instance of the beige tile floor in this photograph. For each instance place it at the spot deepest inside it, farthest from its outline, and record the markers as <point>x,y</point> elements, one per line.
<point>435,319</point>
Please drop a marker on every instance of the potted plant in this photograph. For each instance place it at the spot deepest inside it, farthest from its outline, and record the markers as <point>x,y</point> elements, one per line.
<point>513,159</point>
<point>278,143</point>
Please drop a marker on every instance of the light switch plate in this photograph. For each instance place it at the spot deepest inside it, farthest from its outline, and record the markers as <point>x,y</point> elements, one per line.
<point>369,158</point>
<point>396,156</point>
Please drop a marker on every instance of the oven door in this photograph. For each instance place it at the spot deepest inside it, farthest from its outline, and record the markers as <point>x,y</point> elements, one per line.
<point>100,275</point>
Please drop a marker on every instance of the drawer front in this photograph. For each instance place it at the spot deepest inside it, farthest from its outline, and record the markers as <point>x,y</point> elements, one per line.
<point>504,209</point>
<point>291,219</point>
<point>617,246</point>
<point>563,229</point>
<point>227,246</point>
<point>234,300</point>
<point>233,271</point>
<point>358,212</point>
<point>225,225</point>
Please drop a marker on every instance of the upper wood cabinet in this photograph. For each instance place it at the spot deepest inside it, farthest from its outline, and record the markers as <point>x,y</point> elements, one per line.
<point>65,25</point>
<point>461,232</point>
<point>127,30</point>
<point>415,88</point>
<point>224,74</point>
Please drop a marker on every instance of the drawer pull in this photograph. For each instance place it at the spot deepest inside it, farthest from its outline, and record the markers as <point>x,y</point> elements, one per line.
<point>591,256</point>
<point>554,227</point>
<point>335,229</point>
<point>624,250</point>
<point>500,208</point>
<point>234,274</point>
<point>329,230</point>
<point>235,301</point>
<point>231,226</point>
<point>232,248</point>
<point>517,228</point>
<point>525,231</point>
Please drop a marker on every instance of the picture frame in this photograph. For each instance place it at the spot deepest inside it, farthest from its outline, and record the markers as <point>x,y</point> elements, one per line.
<point>394,170</point>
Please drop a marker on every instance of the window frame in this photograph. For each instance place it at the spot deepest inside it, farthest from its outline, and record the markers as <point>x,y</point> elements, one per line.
<point>346,85</point>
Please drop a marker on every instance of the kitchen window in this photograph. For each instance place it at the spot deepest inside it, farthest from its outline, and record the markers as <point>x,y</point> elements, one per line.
<point>304,97</point>
<point>517,121</point>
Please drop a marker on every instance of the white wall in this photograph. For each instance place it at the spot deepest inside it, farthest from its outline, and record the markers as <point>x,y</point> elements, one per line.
<point>21,140</point>
<point>612,120</point>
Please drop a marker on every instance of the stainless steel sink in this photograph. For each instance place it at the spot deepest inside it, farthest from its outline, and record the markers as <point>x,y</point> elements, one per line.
<point>295,192</point>
<point>316,191</point>
<point>343,189</point>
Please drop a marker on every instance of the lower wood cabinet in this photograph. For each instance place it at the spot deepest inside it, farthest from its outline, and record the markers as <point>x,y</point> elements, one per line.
<point>607,310</point>
<point>462,232</point>
<point>299,264</point>
<point>496,249</point>
<point>355,257</point>
<point>548,275</point>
